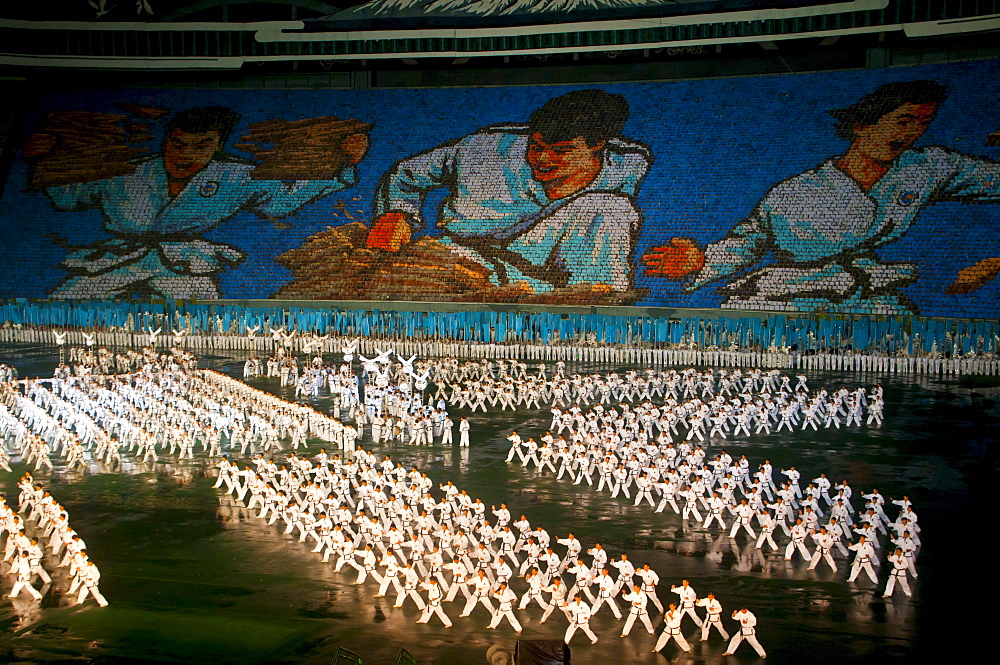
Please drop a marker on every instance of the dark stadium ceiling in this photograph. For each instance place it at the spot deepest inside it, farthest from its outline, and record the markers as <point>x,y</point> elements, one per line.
<point>253,11</point>
<point>218,34</point>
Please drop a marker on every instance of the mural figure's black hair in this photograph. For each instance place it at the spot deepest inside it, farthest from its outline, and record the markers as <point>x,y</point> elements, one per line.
<point>869,109</point>
<point>595,115</point>
<point>201,119</point>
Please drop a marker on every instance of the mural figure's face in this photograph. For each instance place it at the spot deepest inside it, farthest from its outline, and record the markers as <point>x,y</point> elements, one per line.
<point>894,132</point>
<point>185,154</point>
<point>560,160</point>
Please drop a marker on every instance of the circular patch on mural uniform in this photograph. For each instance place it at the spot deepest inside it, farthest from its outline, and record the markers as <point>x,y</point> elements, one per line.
<point>906,198</point>
<point>210,188</point>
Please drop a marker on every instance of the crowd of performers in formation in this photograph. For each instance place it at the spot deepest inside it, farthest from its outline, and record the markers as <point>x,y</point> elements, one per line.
<point>826,354</point>
<point>704,403</point>
<point>167,407</point>
<point>723,491</point>
<point>384,521</point>
<point>39,536</point>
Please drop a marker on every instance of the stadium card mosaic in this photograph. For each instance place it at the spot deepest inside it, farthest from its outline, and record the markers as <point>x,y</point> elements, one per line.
<point>867,192</point>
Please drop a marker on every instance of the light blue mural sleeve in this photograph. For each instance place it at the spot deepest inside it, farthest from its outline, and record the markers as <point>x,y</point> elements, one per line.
<point>403,188</point>
<point>742,247</point>
<point>77,196</point>
<point>970,179</point>
<point>280,199</point>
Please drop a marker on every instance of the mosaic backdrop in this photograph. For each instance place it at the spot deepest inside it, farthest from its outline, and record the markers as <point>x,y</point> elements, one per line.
<point>872,192</point>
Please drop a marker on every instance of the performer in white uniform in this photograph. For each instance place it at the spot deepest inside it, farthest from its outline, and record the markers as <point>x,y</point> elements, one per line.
<point>714,617</point>
<point>898,574</point>
<point>505,610</point>
<point>638,600</point>
<point>688,597</point>
<point>672,619</point>
<point>748,632</point>
<point>579,613</point>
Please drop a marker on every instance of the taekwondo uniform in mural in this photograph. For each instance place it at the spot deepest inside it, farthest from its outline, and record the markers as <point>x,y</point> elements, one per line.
<point>499,215</point>
<point>158,207</point>
<point>157,246</point>
<point>823,227</point>
<point>818,232</point>
<point>503,212</point>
